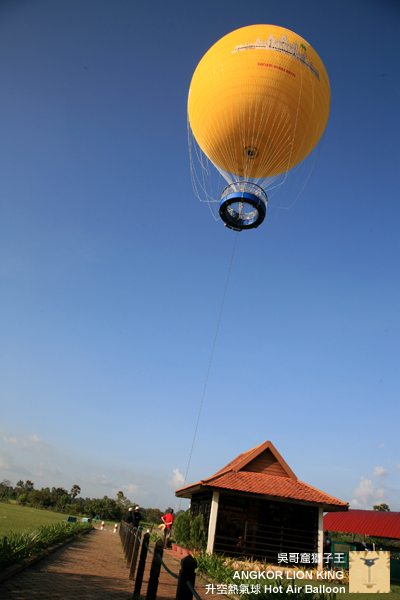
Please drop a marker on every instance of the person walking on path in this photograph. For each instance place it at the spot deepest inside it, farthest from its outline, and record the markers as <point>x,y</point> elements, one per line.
<point>167,519</point>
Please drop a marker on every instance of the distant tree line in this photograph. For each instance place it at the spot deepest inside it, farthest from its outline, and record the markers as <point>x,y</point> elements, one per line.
<point>61,500</point>
<point>381,507</point>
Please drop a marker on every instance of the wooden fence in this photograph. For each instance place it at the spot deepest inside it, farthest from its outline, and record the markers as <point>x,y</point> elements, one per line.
<point>136,548</point>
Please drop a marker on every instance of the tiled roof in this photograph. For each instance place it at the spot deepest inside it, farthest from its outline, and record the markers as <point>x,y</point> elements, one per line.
<point>232,464</point>
<point>258,483</point>
<point>263,471</point>
<point>365,522</point>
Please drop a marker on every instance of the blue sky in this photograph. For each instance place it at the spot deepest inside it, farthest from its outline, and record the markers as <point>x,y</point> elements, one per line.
<point>113,273</point>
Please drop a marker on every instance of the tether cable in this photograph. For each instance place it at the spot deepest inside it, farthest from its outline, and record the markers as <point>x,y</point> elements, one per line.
<point>209,365</point>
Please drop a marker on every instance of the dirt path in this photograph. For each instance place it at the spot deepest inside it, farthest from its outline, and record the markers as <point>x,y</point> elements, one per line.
<point>91,568</point>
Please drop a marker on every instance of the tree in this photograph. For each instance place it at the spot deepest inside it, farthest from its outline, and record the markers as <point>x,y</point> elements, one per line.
<point>19,488</point>
<point>153,515</point>
<point>182,526</point>
<point>122,500</point>
<point>75,491</point>
<point>5,486</point>
<point>29,486</point>
<point>58,492</point>
<point>198,533</point>
<point>63,501</point>
<point>60,497</point>
<point>23,499</point>
<point>381,507</point>
<point>41,498</point>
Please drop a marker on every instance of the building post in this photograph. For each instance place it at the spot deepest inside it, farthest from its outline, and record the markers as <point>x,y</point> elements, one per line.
<point>320,549</point>
<point>212,523</point>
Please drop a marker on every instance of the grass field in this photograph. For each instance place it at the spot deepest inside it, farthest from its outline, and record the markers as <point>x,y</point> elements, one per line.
<point>18,519</point>
<point>394,594</point>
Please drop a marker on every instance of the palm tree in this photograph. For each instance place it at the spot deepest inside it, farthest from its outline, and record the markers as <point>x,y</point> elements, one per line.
<point>75,491</point>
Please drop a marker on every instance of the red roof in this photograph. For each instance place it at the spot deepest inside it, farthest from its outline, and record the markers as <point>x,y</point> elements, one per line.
<point>365,522</point>
<point>263,471</point>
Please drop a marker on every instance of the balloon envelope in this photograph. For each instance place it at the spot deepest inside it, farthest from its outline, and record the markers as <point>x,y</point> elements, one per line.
<point>259,101</point>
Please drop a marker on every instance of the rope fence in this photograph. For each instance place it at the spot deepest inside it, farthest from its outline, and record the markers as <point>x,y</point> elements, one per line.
<point>131,539</point>
<point>191,588</point>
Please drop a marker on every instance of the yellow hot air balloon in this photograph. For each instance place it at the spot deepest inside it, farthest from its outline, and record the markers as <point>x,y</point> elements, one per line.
<point>258,104</point>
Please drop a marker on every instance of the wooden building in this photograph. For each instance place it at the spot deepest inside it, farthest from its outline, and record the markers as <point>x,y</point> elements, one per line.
<point>256,506</point>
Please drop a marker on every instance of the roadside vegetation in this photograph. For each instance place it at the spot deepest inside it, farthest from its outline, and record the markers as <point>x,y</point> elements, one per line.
<point>14,547</point>
<point>220,569</point>
<point>17,519</point>
<point>62,501</point>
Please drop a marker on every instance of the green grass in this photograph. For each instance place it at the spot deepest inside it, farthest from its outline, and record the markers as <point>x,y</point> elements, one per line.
<point>17,546</point>
<point>17,519</point>
<point>215,568</point>
<point>394,595</point>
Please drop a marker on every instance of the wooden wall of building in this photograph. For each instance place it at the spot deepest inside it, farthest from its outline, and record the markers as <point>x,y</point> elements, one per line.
<point>264,528</point>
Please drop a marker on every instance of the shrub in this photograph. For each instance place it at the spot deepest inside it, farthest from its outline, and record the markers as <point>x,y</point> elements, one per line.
<point>198,533</point>
<point>17,546</point>
<point>190,532</point>
<point>182,527</point>
<point>215,567</point>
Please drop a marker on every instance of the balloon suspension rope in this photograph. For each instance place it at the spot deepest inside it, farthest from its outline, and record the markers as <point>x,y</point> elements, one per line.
<point>209,365</point>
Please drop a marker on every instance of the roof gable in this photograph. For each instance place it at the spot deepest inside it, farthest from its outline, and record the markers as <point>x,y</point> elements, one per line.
<point>262,471</point>
<point>264,458</point>
<point>265,463</point>
<point>267,460</point>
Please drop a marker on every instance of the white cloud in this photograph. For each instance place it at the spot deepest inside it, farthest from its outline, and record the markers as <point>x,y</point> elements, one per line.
<point>41,469</point>
<point>130,491</point>
<point>366,495</point>
<point>6,461</point>
<point>96,479</point>
<point>25,442</point>
<point>178,479</point>
<point>48,465</point>
<point>382,445</point>
<point>380,472</point>
<point>9,469</point>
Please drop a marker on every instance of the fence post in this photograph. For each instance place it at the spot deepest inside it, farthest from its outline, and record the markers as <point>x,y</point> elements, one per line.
<point>135,554</point>
<point>155,571</point>
<point>130,546</point>
<point>141,566</point>
<point>187,573</point>
<point>127,537</point>
<point>124,534</point>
